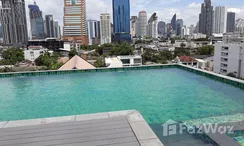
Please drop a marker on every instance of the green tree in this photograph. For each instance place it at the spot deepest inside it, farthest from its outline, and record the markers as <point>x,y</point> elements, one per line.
<point>182,45</point>
<point>231,74</point>
<point>172,40</point>
<point>72,53</point>
<point>181,52</point>
<point>99,63</point>
<point>202,39</point>
<point>48,60</point>
<point>205,50</point>
<point>121,49</point>
<point>12,56</point>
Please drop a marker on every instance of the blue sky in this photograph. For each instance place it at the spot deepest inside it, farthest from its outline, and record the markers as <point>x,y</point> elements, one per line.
<point>188,10</point>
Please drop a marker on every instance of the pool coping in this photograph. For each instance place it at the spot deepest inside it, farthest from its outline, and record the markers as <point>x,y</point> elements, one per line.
<point>142,131</point>
<point>214,76</point>
<point>213,73</point>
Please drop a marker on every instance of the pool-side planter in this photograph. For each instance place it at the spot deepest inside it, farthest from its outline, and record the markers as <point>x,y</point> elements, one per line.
<point>225,79</point>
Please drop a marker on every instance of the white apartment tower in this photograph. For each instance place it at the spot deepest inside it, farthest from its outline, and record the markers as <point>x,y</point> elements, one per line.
<point>229,58</point>
<point>142,18</point>
<point>105,28</point>
<point>153,26</point>
<point>220,20</point>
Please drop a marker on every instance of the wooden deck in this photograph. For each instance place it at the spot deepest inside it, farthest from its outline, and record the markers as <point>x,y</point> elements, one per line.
<point>82,130</point>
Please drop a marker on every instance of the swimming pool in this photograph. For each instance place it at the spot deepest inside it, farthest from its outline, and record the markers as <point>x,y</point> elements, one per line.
<point>159,94</point>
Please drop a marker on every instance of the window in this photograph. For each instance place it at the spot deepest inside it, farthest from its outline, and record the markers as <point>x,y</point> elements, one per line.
<point>223,65</point>
<point>125,61</point>
<point>224,54</point>
<point>73,2</point>
<point>137,60</point>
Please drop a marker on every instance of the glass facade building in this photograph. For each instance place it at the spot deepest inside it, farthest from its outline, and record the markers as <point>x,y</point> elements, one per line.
<point>121,20</point>
<point>36,21</point>
<point>173,23</point>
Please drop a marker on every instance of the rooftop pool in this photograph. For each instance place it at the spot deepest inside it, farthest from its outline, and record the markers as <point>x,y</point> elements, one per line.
<point>158,94</point>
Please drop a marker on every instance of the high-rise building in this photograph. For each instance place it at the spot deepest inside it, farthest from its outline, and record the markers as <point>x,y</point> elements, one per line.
<point>142,17</point>
<point>239,25</point>
<point>184,32</point>
<point>220,19</point>
<point>75,24</point>
<point>57,33</point>
<point>36,22</point>
<point>161,28</point>
<point>13,20</point>
<point>173,23</point>
<point>197,28</point>
<point>152,26</point>
<point>231,16</point>
<point>191,30</point>
<point>169,30</point>
<point>105,28</point>
<point>93,31</point>
<point>1,32</point>
<point>179,25</point>
<point>206,18</point>
<point>133,21</point>
<point>49,26</point>
<point>121,20</point>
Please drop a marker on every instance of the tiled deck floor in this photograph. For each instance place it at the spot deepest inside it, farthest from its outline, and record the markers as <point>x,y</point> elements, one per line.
<point>125,128</point>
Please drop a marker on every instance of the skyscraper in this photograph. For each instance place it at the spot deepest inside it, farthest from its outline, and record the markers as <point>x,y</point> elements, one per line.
<point>93,31</point>
<point>75,24</point>
<point>36,22</point>
<point>220,20</point>
<point>1,32</point>
<point>142,17</point>
<point>179,25</point>
<point>230,22</point>
<point>239,25</point>
<point>13,20</point>
<point>173,23</point>
<point>161,28</point>
<point>133,21</point>
<point>49,26</point>
<point>152,26</point>
<point>206,18</point>
<point>57,33</point>
<point>121,20</point>
<point>105,28</point>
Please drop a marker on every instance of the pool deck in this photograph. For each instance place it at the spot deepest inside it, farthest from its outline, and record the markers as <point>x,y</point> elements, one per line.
<point>122,128</point>
<point>221,138</point>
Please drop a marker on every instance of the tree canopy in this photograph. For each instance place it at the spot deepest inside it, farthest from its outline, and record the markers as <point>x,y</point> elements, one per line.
<point>205,50</point>
<point>156,57</point>
<point>12,56</point>
<point>99,63</point>
<point>48,60</point>
<point>181,52</point>
<point>121,49</point>
<point>72,53</point>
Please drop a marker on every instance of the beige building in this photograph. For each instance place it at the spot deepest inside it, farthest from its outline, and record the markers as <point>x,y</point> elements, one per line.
<point>75,25</point>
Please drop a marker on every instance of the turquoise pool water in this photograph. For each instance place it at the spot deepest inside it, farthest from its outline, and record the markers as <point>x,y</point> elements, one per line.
<point>159,95</point>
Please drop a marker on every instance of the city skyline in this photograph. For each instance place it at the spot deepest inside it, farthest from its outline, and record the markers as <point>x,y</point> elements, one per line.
<point>188,10</point>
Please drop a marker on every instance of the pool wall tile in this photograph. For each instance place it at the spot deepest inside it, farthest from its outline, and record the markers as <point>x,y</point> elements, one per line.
<point>214,76</point>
